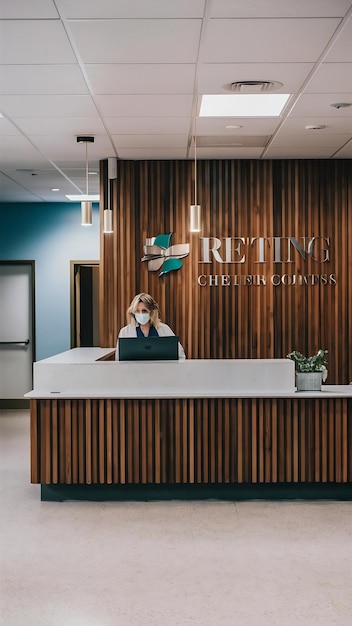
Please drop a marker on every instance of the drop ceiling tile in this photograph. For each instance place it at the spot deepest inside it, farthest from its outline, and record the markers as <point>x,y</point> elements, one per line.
<point>150,141</point>
<point>77,165</point>
<point>266,41</point>
<point>12,192</point>
<point>42,79</point>
<point>33,41</point>
<point>47,106</point>
<point>7,128</point>
<point>131,106</point>
<point>279,8</point>
<point>130,78</point>
<point>60,125</point>
<point>147,125</point>
<point>22,9</point>
<point>341,51</point>
<point>138,154</point>
<point>60,147</point>
<point>345,152</point>
<point>43,179</point>
<point>312,139</point>
<point>320,104</point>
<point>43,182</point>
<point>131,9</point>
<point>331,78</point>
<point>309,152</point>
<point>229,153</point>
<point>18,151</point>
<point>137,41</point>
<point>332,125</point>
<point>254,126</point>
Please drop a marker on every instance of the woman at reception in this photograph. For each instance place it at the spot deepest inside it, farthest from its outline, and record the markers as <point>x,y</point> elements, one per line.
<point>143,317</point>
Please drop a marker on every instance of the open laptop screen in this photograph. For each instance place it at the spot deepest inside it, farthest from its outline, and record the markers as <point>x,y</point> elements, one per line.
<point>148,348</point>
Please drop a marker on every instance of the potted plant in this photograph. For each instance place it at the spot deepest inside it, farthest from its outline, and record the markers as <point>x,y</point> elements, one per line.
<point>311,371</point>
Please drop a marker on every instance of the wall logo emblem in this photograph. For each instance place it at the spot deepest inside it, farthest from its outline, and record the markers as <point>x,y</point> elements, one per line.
<point>159,254</point>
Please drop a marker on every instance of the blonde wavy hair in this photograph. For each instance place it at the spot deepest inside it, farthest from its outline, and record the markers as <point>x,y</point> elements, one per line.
<point>151,305</point>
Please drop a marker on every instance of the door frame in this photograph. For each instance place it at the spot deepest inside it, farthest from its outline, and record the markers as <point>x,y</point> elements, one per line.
<point>73,265</point>
<point>19,403</point>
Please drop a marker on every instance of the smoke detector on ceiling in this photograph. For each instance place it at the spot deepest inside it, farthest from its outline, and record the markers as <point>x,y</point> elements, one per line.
<point>253,86</point>
<point>315,126</point>
<point>341,105</point>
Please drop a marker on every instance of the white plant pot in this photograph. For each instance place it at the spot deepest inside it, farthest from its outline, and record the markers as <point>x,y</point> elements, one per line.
<point>309,381</point>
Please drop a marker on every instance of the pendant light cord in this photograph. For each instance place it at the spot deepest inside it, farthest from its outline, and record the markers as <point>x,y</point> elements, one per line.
<point>87,168</point>
<point>195,162</point>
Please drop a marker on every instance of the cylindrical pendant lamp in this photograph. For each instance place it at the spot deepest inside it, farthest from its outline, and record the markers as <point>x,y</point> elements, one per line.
<point>107,225</point>
<point>86,206</point>
<point>86,213</point>
<point>195,218</point>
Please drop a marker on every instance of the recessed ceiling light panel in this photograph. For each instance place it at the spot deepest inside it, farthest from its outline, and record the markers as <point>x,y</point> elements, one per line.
<point>241,105</point>
<point>83,197</point>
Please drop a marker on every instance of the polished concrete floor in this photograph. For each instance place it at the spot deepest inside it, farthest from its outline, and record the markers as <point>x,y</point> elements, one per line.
<point>166,563</point>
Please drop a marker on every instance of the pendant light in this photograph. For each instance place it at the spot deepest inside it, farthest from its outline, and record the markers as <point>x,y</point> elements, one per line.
<point>195,208</point>
<point>107,217</point>
<point>86,205</point>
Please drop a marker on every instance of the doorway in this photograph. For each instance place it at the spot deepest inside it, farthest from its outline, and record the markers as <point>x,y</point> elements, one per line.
<point>17,332</point>
<point>84,280</point>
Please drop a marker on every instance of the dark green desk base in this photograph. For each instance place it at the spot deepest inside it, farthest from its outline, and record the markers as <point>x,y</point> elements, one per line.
<point>229,492</point>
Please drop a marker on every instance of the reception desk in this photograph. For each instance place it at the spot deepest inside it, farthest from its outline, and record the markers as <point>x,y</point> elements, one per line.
<point>100,429</point>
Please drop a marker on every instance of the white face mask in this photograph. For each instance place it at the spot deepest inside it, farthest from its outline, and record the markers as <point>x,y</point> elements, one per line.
<point>142,318</point>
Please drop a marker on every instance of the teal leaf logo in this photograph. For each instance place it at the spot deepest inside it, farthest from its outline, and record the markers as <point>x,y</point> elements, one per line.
<point>163,241</point>
<point>159,254</point>
<point>169,265</point>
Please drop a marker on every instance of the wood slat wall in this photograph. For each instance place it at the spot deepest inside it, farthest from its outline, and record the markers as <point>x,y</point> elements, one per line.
<point>241,199</point>
<point>191,441</point>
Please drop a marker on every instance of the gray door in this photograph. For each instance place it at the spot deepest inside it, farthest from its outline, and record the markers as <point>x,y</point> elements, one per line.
<point>16,328</point>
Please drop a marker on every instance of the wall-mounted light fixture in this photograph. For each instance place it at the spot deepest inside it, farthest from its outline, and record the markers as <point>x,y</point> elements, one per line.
<point>108,226</point>
<point>195,221</point>
<point>86,204</point>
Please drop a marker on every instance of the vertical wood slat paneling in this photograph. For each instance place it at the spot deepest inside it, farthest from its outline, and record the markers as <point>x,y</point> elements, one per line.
<point>87,409</point>
<point>298,198</point>
<point>81,427</point>
<point>187,441</point>
<point>35,441</point>
<point>75,443</point>
<point>109,443</point>
<point>54,443</point>
<point>95,442</point>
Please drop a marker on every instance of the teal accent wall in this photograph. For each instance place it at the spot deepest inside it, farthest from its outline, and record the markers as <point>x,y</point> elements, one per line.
<point>50,234</point>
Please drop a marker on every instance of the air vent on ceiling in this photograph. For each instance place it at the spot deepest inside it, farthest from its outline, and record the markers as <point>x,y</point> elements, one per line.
<point>253,86</point>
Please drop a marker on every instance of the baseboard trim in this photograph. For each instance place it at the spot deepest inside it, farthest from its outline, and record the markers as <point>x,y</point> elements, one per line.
<point>230,492</point>
<point>14,403</point>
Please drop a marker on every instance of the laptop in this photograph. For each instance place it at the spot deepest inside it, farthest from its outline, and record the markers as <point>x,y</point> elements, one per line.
<point>148,348</point>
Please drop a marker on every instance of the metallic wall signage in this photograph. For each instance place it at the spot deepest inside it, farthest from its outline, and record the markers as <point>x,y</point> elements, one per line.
<point>264,251</point>
<point>159,254</point>
<point>239,251</point>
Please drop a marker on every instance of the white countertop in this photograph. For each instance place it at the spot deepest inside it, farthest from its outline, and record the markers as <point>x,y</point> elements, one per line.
<point>78,355</point>
<point>332,391</point>
<point>79,374</point>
